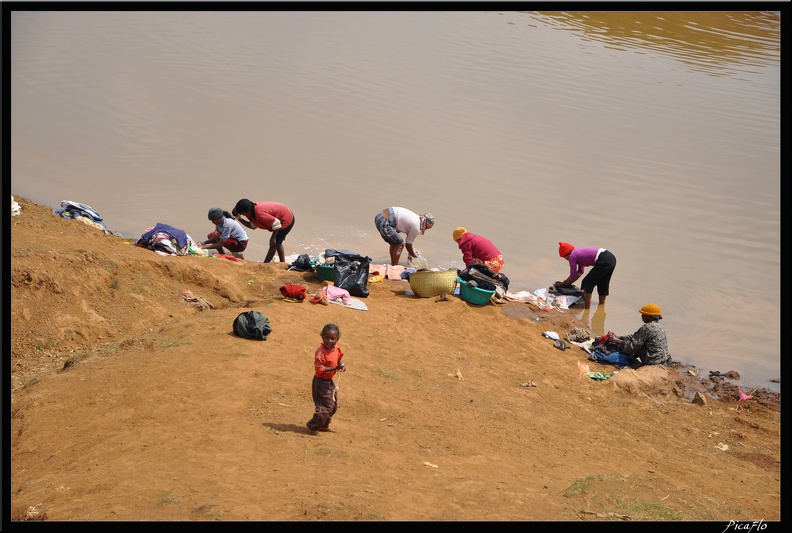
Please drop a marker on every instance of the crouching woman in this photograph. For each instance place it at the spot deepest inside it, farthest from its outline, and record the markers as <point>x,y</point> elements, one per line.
<point>649,343</point>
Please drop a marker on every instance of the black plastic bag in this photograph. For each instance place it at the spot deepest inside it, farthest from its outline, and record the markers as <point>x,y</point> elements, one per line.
<point>351,272</point>
<point>302,263</point>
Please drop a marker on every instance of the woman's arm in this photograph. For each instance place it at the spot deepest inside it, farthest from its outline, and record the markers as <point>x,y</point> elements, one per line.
<point>244,222</point>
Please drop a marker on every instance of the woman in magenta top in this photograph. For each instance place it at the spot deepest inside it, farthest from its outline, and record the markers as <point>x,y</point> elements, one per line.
<point>478,250</point>
<point>271,216</point>
<point>604,263</point>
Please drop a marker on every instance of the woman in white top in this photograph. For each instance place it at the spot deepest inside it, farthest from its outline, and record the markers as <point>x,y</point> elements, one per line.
<point>394,220</point>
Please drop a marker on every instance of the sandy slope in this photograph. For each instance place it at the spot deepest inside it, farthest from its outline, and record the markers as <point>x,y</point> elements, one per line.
<point>131,403</point>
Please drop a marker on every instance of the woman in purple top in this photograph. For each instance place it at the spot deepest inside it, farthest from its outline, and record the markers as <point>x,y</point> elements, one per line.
<point>603,261</point>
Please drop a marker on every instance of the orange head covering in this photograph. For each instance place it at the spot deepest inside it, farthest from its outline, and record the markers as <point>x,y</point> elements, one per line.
<point>564,248</point>
<point>458,233</point>
<point>651,310</point>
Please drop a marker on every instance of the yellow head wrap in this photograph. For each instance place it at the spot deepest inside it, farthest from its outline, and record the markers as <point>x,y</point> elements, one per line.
<point>651,310</point>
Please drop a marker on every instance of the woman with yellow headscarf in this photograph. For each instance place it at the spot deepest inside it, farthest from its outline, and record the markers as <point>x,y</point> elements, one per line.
<point>649,343</point>
<point>477,250</point>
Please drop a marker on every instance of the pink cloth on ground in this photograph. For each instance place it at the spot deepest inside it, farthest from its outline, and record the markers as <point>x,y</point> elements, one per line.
<point>332,292</point>
<point>389,271</point>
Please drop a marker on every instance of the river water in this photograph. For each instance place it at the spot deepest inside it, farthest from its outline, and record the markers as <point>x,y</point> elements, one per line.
<point>653,134</point>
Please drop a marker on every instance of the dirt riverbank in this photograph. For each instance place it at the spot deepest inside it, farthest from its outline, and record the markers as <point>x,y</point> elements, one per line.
<point>130,402</point>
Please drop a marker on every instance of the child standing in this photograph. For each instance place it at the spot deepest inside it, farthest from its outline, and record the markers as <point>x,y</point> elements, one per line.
<point>327,360</point>
<point>228,232</point>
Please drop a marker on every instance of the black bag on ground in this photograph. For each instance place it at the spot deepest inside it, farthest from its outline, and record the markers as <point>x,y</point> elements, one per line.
<point>351,272</point>
<point>302,263</point>
<point>252,325</point>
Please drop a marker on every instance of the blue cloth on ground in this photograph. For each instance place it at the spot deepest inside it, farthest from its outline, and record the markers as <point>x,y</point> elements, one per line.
<point>613,358</point>
<point>179,235</point>
<point>406,273</point>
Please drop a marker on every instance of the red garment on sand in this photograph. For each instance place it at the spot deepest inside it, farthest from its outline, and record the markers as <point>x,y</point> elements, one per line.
<point>293,291</point>
<point>229,257</point>
<point>318,298</point>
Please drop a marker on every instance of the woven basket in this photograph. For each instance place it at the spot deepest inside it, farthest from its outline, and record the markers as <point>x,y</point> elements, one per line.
<point>426,283</point>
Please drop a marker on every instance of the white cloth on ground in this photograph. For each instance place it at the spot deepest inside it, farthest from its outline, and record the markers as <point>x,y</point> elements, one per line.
<point>562,301</point>
<point>352,303</point>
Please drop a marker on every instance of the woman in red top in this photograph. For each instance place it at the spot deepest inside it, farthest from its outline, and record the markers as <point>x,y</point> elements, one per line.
<point>271,216</point>
<point>327,361</point>
<point>478,250</point>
